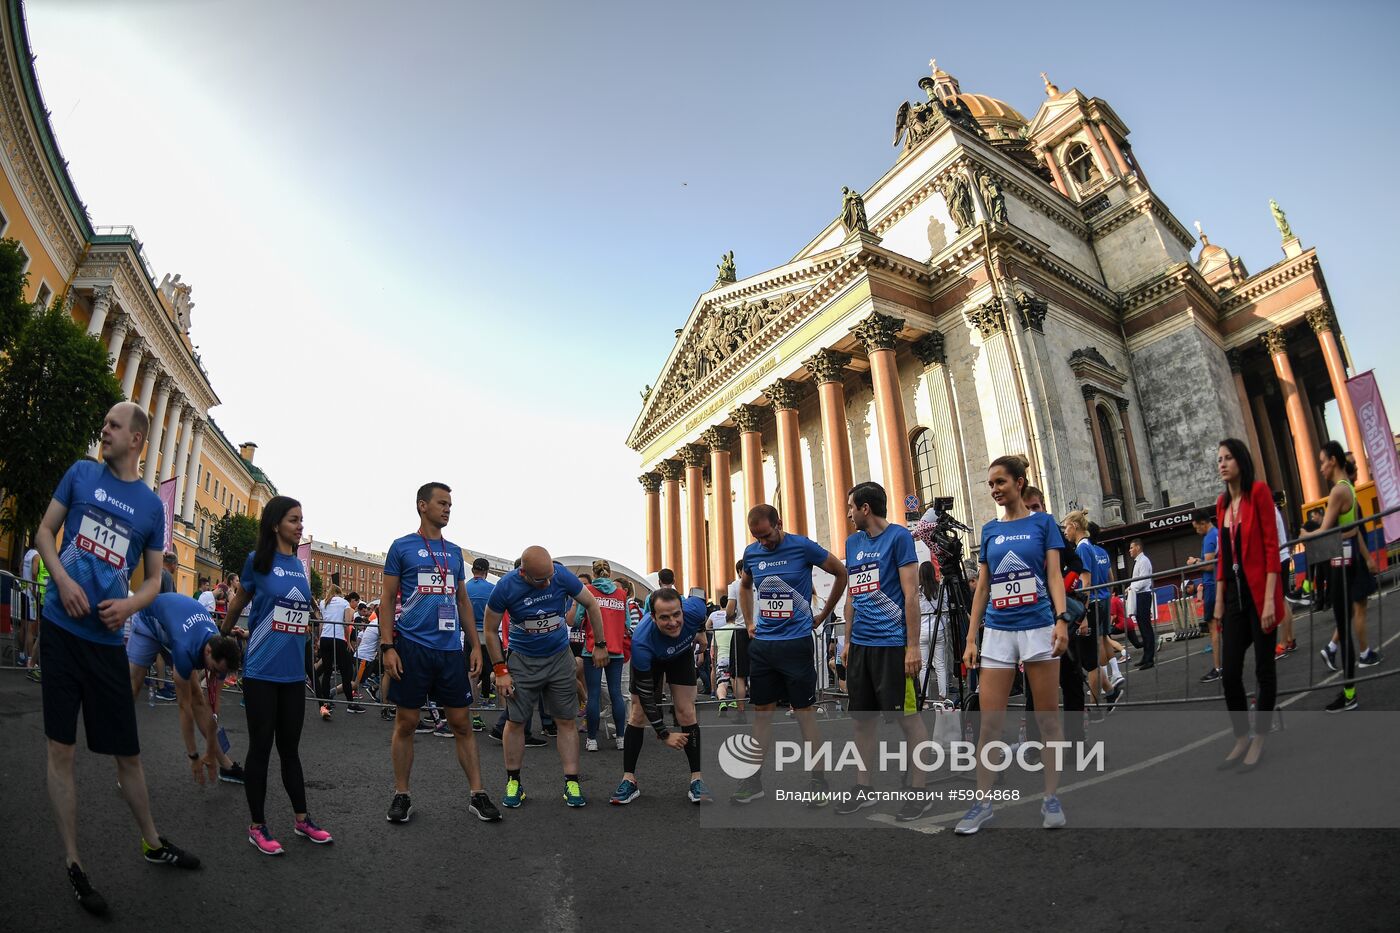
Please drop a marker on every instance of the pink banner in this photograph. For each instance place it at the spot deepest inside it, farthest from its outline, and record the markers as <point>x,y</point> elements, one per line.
<point>304,555</point>
<point>167,501</point>
<point>1380,445</point>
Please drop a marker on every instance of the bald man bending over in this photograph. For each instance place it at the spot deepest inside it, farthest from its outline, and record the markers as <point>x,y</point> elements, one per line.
<point>536,595</point>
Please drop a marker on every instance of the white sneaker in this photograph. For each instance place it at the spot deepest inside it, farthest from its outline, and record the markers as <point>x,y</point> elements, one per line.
<point>1118,680</point>
<point>619,743</point>
<point>590,745</point>
<point>970,823</point>
<point>1052,814</point>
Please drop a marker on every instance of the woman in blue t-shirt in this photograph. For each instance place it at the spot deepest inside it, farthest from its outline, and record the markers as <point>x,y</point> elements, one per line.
<point>1020,599</point>
<point>275,583</point>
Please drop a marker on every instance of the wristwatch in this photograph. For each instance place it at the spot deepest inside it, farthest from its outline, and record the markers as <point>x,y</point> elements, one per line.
<point>389,647</point>
<point>1064,617</point>
<point>599,644</point>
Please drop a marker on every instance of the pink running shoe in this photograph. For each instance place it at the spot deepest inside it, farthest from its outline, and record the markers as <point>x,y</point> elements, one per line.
<point>262,840</point>
<point>311,831</point>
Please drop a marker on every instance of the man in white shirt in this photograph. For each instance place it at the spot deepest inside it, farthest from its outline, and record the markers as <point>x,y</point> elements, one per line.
<point>738,646</point>
<point>206,594</point>
<point>1142,605</point>
<point>29,605</point>
<point>1286,642</point>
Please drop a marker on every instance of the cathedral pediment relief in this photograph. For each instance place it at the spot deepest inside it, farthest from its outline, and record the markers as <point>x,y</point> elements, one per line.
<point>714,336</point>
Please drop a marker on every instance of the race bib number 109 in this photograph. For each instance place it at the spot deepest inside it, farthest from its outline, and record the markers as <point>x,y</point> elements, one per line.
<point>775,607</point>
<point>1010,590</point>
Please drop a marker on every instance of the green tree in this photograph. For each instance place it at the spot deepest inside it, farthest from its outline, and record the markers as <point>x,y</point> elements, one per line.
<point>317,586</point>
<point>233,537</point>
<point>55,389</point>
<point>14,310</point>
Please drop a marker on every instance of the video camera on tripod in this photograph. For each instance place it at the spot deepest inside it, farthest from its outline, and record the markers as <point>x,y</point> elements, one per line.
<point>953,603</point>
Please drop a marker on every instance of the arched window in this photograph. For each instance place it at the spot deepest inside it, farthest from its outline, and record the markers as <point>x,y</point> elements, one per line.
<point>925,465</point>
<point>1080,163</point>
<point>1110,452</point>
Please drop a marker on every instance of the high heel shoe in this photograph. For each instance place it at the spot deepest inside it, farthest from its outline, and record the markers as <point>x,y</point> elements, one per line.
<point>1229,764</point>
<point>1246,767</point>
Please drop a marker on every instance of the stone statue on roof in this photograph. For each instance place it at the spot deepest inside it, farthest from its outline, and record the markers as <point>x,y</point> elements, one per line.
<point>726,268</point>
<point>853,212</point>
<point>1281,221</point>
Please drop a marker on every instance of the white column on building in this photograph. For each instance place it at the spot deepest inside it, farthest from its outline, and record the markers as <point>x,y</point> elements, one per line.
<point>172,435</point>
<point>148,381</point>
<point>120,323</point>
<point>136,349</point>
<point>947,435</point>
<point>157,428</point>
<point>192,474</point>
<point>101,302</point>
<point>182,455</point>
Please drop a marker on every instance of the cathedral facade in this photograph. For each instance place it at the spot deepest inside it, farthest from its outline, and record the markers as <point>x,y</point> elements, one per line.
<point>1009,286</point>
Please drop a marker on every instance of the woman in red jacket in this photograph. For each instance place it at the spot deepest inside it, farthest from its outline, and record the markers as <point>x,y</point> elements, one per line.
<point>1248,595</point>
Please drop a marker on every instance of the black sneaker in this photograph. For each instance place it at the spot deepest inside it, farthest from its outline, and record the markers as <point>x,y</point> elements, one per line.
<point>88,899</point>
<point>1113,696</point>
<point>913,809</point>
<point>425,726</point>
<point>387,714</point>
<point>534,741</point>
<point>477,724</point>
<point>1329,657</point>
<point>749,790</point>
<point>400,809</point>
<point>1341,704</point>
<point>483,809</point>
<point>356,708</point>
<point>1211,676</point>
<point>169,854</point>
<point>551,730</point>
<point>856,801</point>
<point>496,734</point>
<point>232,775</point>
<point>1369,658</point>
<point>819,790</point>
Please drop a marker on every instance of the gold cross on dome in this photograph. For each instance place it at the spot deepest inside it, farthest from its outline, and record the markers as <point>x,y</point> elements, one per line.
<point>933,66</point>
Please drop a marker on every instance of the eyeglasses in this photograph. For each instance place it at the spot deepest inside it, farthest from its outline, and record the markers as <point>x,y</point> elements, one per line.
<point>536,581</point>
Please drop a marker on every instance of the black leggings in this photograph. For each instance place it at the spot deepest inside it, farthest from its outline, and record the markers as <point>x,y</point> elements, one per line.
<point>1238,630</point>
<point>335,654</point>
<point>275,713</point>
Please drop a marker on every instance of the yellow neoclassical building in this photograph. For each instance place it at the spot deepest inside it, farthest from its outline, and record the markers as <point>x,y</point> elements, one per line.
<point>107,280</point>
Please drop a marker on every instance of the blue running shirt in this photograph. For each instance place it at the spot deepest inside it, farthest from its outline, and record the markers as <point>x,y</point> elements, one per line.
<point>1100,573</point>
<point>429,573</point>
<point>479,591</point>
<point>1014,553</point>
<point>278,621</point>
<point>110,525</point>
<point>651,645</point>
<point>537,625</point>
<point>782,580</point>
<point>1210,544</point>
<point>182,627</point>
<point>874,588</point>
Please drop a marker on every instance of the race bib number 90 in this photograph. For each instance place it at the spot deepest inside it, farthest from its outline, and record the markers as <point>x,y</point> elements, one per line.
<point>865,579</point>
<point>291,619</point>
<point>775,607</point>
<point>105,538</point>
<point>437,584</point>
<point>1010,590</point>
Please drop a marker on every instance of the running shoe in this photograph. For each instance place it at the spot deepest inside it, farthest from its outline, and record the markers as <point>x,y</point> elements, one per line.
<point>620,743</point>
<point>626,792</point>
<point>443,730</point>
<point>819,790</point>
<point>1292,645</point>
<point>534,741</point>
<point>972,821</point>
<point>590,745</point>
<point>88,898</point>
<point>1369,658</point>
<point>311,831</point>
<point>232,775</point>
<point>749,790</point>
<point>400,809</point>
<point>386,714</point>
<point>515,794</point>
<point>168,854</point>
<point>1329,657</point>
<point>425,726</point>
<point>1114,695</point>
<point>573,794</point>
<point>724,710</point>
<point>1211,675</point>
<point>856,800</point>
<point>166,693</point>
<point>325,712</point>
<point>1208,649</point>
<point>1052,814</point>
<point>1341,704</point>
<point>913,809</point>
<point>1096,716</point>
<point>37,676</point>
<point>477,724</point>
<point>497,735</point>
<point>1280,651</point>
<point>481,807</point>
<point>551,730</point>
<point>356,708</point>
<point>261,838</point>
<point>698,793</point>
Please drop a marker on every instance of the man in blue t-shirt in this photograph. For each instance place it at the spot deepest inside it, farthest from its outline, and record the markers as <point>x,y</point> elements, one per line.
<point>479,591</point>
<point>111,522</point>
<point>422,649</point>
<point>540,666</point>
<point>775,595</point>
<point>1204,525</point>
<point>882,645</point>
<point>181,630</point>
<point>663,649</point>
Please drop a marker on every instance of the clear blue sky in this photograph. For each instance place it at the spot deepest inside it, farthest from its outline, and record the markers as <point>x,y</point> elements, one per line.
<point>510,206</point>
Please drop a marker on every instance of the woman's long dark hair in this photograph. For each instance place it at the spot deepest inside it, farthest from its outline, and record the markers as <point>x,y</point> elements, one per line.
<point>1242,456</point>
<point>928,583</point>
<point>272,516</point>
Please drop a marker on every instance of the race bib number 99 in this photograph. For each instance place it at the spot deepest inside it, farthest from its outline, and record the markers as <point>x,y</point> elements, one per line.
<point>437,584</point>
<point>775,607</point>
<point>865,579</point>
<point>1010,590</point>
<point>105,538</point>
<point>291,619</point>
